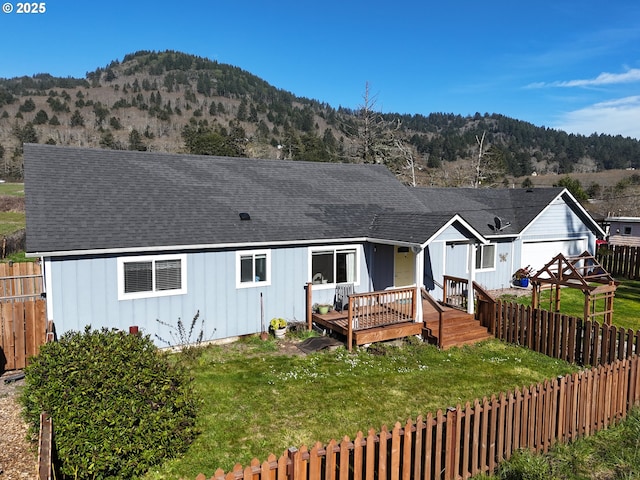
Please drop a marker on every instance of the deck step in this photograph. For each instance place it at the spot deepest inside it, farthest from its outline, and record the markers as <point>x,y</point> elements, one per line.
<point>458,328</point>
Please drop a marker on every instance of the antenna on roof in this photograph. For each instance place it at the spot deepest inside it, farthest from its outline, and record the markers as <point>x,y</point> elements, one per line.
<point>497,221</point>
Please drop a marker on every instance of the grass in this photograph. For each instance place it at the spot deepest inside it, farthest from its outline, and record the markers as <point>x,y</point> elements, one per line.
<point>609,454</point>
<point>12,216</point>
<point>11,222</point>
<point>12,189</point>
<point>625,304</point>
<point>257,401</point>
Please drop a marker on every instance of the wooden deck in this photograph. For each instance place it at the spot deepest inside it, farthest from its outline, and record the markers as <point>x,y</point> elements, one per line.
<point>378,327</point>
<point>380,316</point>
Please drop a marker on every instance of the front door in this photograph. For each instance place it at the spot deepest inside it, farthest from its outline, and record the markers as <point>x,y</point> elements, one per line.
<point>405,264</point>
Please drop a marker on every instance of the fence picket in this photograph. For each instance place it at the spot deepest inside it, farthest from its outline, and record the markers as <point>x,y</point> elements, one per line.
<point>419,448</point>
<point>344,460</point>
<point>428,468</point>
<point>406,449</point>
<point>382,453</point>
<point>396,438</point>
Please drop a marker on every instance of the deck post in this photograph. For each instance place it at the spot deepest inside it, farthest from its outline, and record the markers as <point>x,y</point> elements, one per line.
<point>440,330</point>
<point>471,279</point>
<point>414,303</point>
<point>350,324</point>
<point>309,301</point>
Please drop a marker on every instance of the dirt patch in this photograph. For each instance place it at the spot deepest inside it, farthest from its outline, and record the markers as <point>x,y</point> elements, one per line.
<point>18,458</point>
<point>516,292</point>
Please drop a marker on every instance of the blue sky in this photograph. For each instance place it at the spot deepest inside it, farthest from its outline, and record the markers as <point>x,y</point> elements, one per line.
<point>572,65</point>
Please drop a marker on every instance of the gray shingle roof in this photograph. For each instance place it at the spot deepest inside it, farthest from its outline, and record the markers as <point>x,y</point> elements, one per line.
<point>479,207</point>
<point>80,199</point>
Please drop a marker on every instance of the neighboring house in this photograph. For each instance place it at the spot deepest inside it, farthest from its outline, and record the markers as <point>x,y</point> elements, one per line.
<point>624,231</point>
<point>143,239</point>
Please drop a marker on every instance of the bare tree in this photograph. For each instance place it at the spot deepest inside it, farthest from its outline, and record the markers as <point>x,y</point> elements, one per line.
<point>406,152</point>
<point>369,128</point>
<point>478,176</point>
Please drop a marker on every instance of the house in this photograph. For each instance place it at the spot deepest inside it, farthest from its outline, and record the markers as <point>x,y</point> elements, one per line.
<point>624,231</point>
<point>142,239</point>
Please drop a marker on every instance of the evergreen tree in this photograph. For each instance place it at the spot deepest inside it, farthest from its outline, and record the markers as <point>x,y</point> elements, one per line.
<point>574,186</point>
<point>41,118</point>
<point>77,120</point>
<point>135,141</point>
<point>28,106</point>
<point>242,111</point>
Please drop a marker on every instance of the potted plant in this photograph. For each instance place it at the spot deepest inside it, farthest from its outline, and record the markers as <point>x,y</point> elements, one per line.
<point>322,308</point>
<point>278,326</point>
<point>521,277</point>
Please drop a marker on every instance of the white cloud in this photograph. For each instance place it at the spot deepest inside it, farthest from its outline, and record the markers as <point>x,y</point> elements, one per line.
<point>630,76</point>
<point>613,117</point>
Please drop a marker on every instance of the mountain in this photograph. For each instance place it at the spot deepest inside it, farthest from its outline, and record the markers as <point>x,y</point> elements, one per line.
<point>176,102</point>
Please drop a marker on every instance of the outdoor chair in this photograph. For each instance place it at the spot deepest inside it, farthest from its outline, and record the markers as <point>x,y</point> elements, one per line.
<point>341,299</point>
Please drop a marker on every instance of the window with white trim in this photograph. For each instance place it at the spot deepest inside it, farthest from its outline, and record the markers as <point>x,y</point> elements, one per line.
<point>253,268</point>
<point>486,257</point>
<point>151,276</point>
<point>331,265</point>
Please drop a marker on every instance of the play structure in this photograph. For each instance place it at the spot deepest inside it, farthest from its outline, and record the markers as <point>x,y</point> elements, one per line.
<point>582,272</point>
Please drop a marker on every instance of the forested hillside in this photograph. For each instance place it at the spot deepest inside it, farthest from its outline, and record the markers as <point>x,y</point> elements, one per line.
<point>172,101</point>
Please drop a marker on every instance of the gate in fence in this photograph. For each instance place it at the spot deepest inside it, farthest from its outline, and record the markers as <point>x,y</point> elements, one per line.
<point>23,319</point>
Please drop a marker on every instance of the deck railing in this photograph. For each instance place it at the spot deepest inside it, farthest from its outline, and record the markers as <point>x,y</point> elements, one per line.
<point>438,308</point>
<point>485,310</point>
<point>454,292</point>
<point>376,309</point>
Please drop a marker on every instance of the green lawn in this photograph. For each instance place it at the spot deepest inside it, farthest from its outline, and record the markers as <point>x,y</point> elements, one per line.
<point>13,189</point>
<point>11,222</point>
<point>626,311</point>
<point>258,401</point>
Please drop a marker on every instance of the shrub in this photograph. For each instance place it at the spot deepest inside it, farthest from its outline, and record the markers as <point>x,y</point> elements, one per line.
<point>118,405</point>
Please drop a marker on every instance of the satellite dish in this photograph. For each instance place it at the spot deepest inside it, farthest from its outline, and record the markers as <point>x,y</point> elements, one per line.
<point>499,224</point>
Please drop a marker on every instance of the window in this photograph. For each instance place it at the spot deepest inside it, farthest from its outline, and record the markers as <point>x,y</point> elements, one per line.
<point>485,257</point>
<point>331,265</point>
<point>626,231</point>
<point>152,276</point>
<point>253,268</point>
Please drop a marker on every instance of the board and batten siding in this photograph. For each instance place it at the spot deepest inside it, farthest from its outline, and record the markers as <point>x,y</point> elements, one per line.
<point>447,253</point>
<point>558,229</point>
<point>558,221</point>
<point>499,276</point>
<point>84,291</point>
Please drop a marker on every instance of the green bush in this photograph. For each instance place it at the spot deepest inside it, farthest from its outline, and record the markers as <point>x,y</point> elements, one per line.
<point>118,404</point>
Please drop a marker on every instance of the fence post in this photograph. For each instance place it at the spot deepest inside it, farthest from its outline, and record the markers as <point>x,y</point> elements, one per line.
<point>45,448</point>
<point>293,464</point>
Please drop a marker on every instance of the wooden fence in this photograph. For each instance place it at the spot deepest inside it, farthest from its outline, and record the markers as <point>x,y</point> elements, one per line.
<point>470,439</point>
<point>20,280</point>
<point>474,438</point>
<point>23,323</point>
<point>23,328</point>
<point>560,336</point>
<point>620,260</point>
